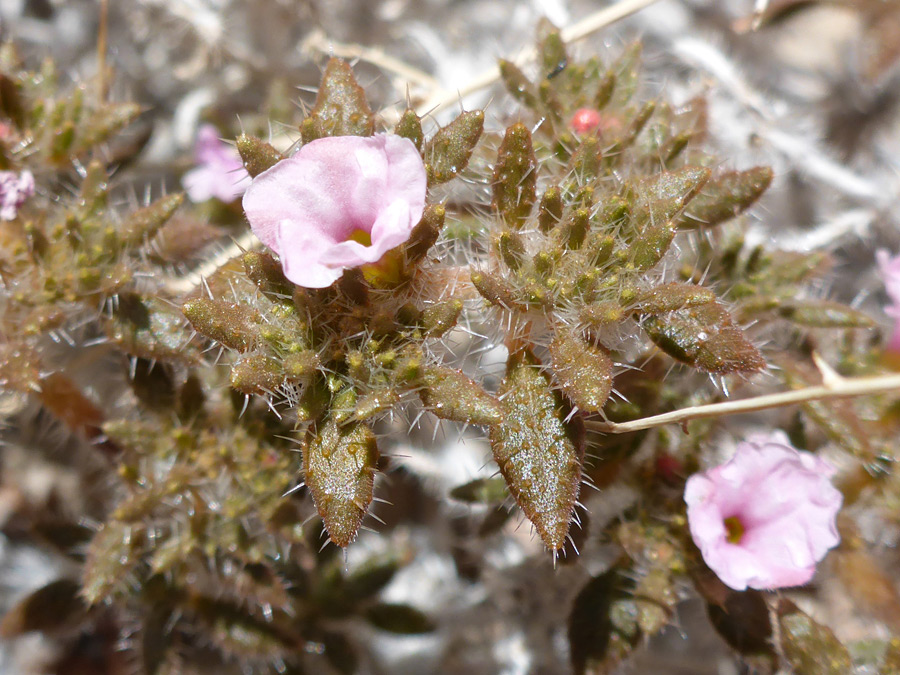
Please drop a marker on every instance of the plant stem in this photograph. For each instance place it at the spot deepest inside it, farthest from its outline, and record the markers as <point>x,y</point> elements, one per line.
<point>443,98</point>
<point>177,286</point>
<point>318,42</point>
<point>833,386</point>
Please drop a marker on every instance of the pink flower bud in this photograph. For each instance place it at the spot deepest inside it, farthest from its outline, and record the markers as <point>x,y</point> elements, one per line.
<point>585,121</point>
<point>338,203</point>
<point>767,516</point>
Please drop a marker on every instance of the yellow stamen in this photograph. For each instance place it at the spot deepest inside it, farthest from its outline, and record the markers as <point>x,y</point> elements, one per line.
<point>361,237</point>
<point>735,529</point>
<point>384,273</point>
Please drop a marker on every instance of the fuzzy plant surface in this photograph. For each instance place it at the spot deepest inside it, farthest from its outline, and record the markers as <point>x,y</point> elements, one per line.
<point>580,263</point>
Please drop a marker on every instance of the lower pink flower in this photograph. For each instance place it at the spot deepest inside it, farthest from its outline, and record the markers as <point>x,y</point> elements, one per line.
<point>767,516</point>
<point>219,173</point>
<point>890,272</point>
<point>338,203</point>
<point>15,188</point>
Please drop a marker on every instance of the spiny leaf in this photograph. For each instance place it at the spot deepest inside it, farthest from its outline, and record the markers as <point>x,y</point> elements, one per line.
<point>742,620</point>
<point>425,233</point>
<point>61,396</point>
<point>339,465</point>
<point>672,149</point>
<point>515,176</point>
<point>257,155</point>
<point>153,643</point>
<point>256,374</point>
<point>313,400</point>
<point>145,222</point>
<point>582,370</point>
<point>605,90</point>
<point>573,228</point>
<point>440,317</point>
<point>375,402</point>
<point>153,385</point>
<point>150,328</point>
<point>627,71</point>
<point>495,290</point>
<point>538,453</point>
<point>63,138</point>
<point>399,619</point>
<point>94,193</point>
<point>511,248</point>
<point>602,626</point>
<point>344,592</point>
<point>230,324</point>
<point>551,209</point>
<point>518,84</point>
<point>655,557</point>
<point>810,647</point>
<point>181,240</point>
<point>410,126</point>
<point>51,608</point>
<point>629,135</point>
<point>300,366</point>
<point>661,197</point>
<point>448,152</point>
<point>823,314</point>
<point>111,557</point>
<point>481,491</point>
<point>451,395</point>
<point>11,101</point>
<point>266,272</point>
<point>551,48</point>
<point>341,108</point>
<point>601,316</point>
<point>584,165</point>
<point>239,634</point>
<point>651,244</point>
<point>599,247</point>
<point>725,196</point>
<point>672,296</point>
<point>103,123</point>
<point>704,337</point>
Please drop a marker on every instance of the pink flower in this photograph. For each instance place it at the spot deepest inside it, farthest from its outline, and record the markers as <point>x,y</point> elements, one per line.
<point>767,516</point>
<point>219,173</point>
<point>590,121</point>
<point>15,188</point>
<point>585,120</point>
<point>890,272</point>
<point>338,203</point>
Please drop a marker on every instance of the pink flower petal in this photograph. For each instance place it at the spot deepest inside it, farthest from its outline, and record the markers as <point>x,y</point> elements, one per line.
<point>890,272</point>
<point>307,208</point>
<point>219,172</point>
<point>15,188</point>
<point>207,182</point>
<point>303,267</point>
<point>786,504</point>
